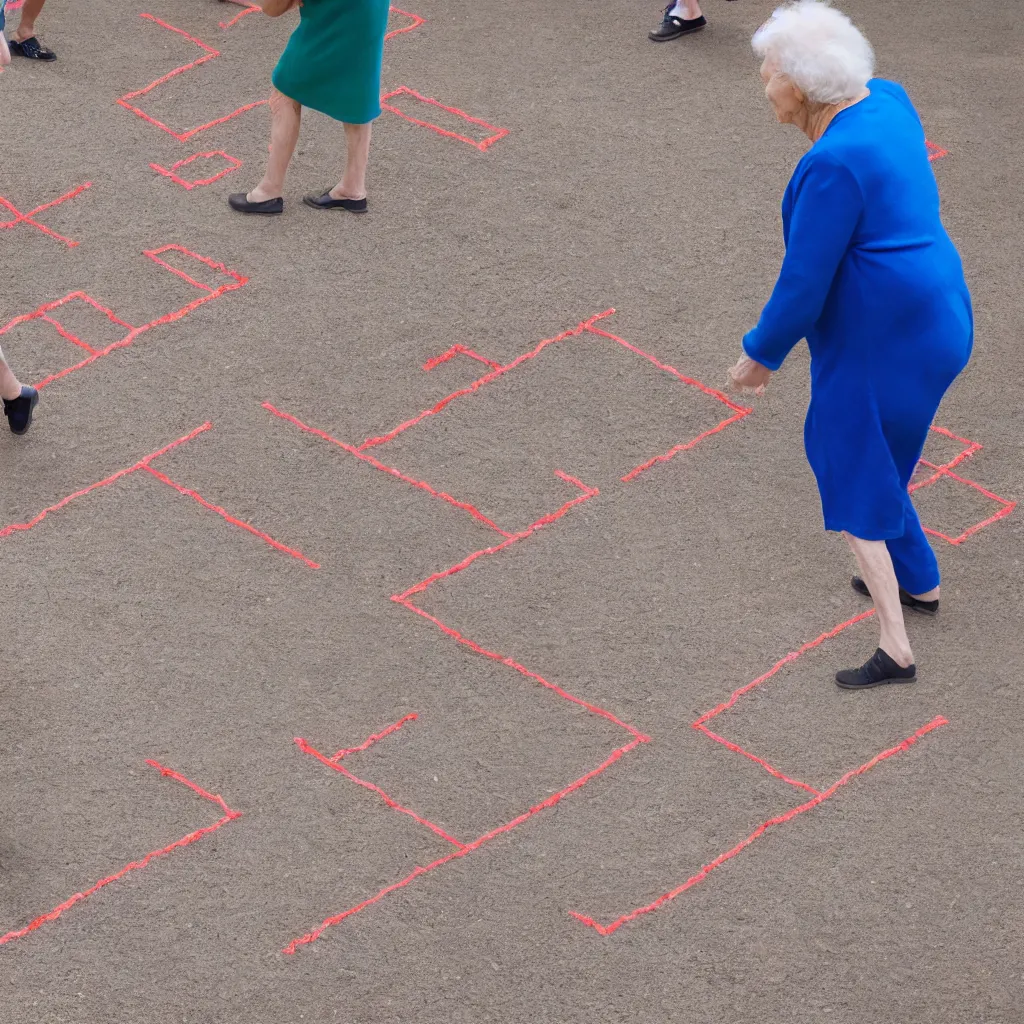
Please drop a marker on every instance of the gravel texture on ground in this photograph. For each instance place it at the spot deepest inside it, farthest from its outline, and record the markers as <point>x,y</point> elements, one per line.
<point>205,607</point>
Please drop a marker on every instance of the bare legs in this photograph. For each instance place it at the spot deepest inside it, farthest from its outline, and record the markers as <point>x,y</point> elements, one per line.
<point>27,25</point>
<point>357,155</point>
<point>285,118</point>
<point>10,386</point>
<point>877,571</point>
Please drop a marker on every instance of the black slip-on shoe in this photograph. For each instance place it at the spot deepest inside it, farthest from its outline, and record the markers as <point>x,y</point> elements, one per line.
<point>876,671</point>
<point>672,26</point>
<point>327,202</point>
<point>907,600</point>
<point>19,410</point>
<point>237,201</point>
<point>31,48</point>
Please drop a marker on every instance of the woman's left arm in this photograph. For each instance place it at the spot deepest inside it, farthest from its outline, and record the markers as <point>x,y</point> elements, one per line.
<point>826,208</point>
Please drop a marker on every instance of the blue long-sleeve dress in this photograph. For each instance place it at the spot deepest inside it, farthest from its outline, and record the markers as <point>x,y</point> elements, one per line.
<point>876,286</point>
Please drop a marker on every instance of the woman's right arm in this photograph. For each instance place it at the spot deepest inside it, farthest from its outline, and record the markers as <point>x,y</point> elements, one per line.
<point>826,209</point>
<point>275,8</point>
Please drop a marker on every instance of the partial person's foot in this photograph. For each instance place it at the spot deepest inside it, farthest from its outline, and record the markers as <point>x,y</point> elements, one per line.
<point>19,410</point>
<point>240,201</point>
<point>907,600</point>
<point>31,48</point>
<point>876,671</point>
<point>673,26</point>
<point>328,202</point>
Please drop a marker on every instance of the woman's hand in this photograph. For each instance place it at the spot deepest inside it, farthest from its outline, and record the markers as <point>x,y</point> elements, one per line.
<point>749,376</point>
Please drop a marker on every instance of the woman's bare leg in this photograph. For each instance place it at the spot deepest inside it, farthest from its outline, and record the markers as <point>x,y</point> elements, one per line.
<point>877,571</point>
<point>357,156</point>
<point>285,118</point>
<point>27,25</point>
<point>10,386</point>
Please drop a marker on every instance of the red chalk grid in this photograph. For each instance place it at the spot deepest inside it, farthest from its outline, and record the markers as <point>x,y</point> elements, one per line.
<point>813,796</point>
<point>334,762</point>
<point>482,144</point>
<point>414,22</point>
<point>145,465</point>
<point>246,9</point>
<point>209,54</point>
<point>944,471</point>
<point>135,865</point>
<point>169,172</point>
<point>508,539</point>
<point>29,218</point>
<point>817,797</point>
<point>43,312</point>
<point>734,412</point>
<point>935,152</point>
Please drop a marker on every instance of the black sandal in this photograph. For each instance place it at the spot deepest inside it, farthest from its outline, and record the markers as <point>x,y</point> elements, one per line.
<point>876,671</point>
<point>672,26</point>
<point>328,202</point>
<point>238,201</point>
<point>31,48</point>
<point>907,600</point>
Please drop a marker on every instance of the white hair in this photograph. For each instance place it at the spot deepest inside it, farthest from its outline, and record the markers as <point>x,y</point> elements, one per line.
<point>818,48</point>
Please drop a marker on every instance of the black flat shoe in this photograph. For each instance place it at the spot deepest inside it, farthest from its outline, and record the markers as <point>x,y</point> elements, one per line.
<point>31,48</point>
<point>907,600</point>
<point>19,410</point>
<point>672,26</point>
<point>326,202</point>
<point>876,671</point>
<point>237,201</point>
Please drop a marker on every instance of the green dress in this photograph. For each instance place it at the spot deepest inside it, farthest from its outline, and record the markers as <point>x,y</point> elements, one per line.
<point>332,62</point>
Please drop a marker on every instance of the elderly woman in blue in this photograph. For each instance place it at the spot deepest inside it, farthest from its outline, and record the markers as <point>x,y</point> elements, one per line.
<point>873,282</point>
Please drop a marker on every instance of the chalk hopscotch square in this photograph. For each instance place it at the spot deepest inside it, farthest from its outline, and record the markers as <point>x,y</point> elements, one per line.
<point>459,121</point>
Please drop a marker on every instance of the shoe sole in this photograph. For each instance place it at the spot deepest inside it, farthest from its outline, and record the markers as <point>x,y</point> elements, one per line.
<point>258,213</point>
<point>871,686</point>
<point>930,612</point>
<point>667,39</point>
<point>316,206</point>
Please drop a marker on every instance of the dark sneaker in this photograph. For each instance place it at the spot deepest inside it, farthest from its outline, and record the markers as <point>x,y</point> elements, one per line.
<point>876,671</point>
<point>31,48</point>
<point>672,26</point>
<point>907,600</point>
<point>19,410</point>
